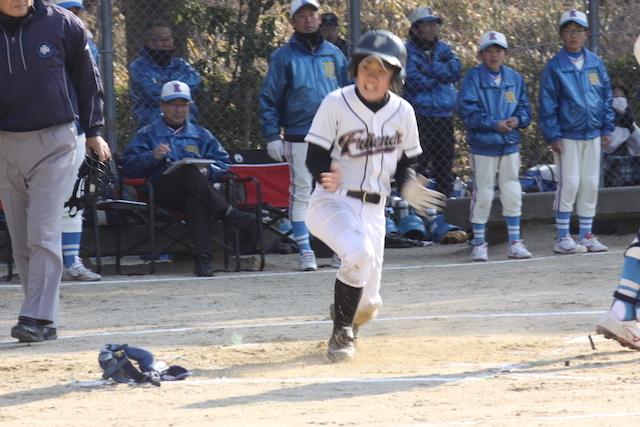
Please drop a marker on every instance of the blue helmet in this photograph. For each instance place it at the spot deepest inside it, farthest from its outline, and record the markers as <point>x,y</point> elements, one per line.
<point>412,227</point>
<point>391,226</point>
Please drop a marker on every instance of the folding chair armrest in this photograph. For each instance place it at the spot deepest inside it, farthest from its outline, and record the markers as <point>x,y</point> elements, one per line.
<point>136,181</point>
<point>245,179</point>
<point>119,204</point>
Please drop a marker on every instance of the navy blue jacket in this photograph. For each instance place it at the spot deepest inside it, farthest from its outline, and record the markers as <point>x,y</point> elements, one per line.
<point>575,104</point>
<point>482,103</point>
<point>47,74</point>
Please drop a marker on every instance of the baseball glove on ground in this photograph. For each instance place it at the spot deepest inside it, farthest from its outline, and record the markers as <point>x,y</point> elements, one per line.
<point>454,236</point>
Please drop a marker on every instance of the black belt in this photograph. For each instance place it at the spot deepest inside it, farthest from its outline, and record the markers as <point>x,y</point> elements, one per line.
<point>365,196</point>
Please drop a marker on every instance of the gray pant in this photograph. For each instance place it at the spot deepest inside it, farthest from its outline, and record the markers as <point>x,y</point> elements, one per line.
<point>34,176</point>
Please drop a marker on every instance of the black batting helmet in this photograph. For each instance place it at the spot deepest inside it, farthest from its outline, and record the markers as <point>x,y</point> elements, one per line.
<point>385,45</point>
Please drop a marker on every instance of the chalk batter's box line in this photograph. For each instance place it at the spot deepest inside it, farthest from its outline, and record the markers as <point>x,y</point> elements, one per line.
<point>317,322</point>
<point>332,271</point>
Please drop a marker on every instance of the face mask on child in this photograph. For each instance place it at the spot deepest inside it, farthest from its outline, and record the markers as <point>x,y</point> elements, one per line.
<point>619,104</point>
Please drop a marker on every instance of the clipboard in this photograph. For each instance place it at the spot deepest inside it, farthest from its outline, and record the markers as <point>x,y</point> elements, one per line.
<point>188,161</point>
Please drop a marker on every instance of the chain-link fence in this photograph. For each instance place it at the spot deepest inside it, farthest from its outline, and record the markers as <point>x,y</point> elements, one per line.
<point>228,43</point>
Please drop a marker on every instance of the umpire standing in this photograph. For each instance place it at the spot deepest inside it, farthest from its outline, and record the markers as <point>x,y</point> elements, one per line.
<point>48,79</point>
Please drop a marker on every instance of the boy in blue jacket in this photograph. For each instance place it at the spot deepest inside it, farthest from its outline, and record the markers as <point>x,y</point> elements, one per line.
<point>432,71</point>
<point>493,105</point>
<point>301,74</point>
<point>577,119</point>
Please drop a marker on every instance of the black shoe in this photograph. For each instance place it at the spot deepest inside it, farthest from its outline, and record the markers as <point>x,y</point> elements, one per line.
<point>27,333</point>
<point>342,346</point>
<point>49,334</point>
<point>203,266</point>
<point>236,220</point>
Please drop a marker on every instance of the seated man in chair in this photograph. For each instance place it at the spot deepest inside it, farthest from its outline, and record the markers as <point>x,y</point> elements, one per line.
<point>188,189</point>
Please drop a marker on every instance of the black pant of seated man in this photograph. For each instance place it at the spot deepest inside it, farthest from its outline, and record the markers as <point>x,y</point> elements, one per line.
<point>187,190</point>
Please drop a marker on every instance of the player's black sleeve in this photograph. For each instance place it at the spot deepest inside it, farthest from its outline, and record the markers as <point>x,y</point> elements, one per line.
<point>318,161</point>
<point>404,165</point>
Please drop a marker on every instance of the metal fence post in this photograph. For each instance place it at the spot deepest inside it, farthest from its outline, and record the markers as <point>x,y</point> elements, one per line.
<point>594,26</point>
<point>354,23</point>
<point>106,62</point>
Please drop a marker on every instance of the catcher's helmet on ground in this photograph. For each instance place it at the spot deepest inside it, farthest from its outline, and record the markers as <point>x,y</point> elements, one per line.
<point>385,45</point>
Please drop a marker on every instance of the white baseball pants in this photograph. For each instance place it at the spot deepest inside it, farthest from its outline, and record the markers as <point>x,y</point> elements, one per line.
<point>355,231</point>
<point>578,168</point>
<point>485,169</point>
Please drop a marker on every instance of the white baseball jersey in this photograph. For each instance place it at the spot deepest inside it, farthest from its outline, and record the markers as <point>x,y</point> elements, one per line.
<point>367,145</point>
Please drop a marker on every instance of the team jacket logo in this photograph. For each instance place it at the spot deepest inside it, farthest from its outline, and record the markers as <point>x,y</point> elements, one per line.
<point>330,70</point>
<point>593,79</point>
<point>360,143</point>
<point>44,50</point>
<point>193,149</point>
<point>510,97</point>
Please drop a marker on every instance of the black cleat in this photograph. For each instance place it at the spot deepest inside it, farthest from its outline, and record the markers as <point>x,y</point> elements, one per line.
<point>27,333</point>
<point>49,334</point>
<point>236,220</point>
<point>203,266</point>
<point>342,346</point>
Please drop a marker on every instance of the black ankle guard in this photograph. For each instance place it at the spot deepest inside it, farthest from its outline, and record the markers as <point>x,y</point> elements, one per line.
<point>625,298</point>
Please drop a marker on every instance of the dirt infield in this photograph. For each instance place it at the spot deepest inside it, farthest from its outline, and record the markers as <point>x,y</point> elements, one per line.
<point>496,344</point>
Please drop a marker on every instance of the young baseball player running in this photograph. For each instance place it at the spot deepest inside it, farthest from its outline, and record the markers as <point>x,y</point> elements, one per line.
<point>361,136</point>
<point>577,119</point>
<point>493,105</point>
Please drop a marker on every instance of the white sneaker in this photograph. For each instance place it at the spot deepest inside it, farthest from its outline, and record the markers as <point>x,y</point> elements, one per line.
<point>336,262</point>
<point>565,246</point>
<point>518,250</point>
<point>308,261</point>
<point>77,271</point>
<point>480,252</point>
<point>592,244</point>
<point>626,332</point>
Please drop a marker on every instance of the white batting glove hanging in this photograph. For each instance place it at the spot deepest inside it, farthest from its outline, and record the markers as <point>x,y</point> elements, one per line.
<point>415,192</point>
<point>275,150</point>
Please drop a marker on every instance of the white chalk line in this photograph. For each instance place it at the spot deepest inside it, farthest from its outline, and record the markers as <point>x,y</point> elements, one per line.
<point>318,322</point>
<point>384,380</point>
<point>295,273</point>
<point>438,379</point>
<point>530,419</point>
